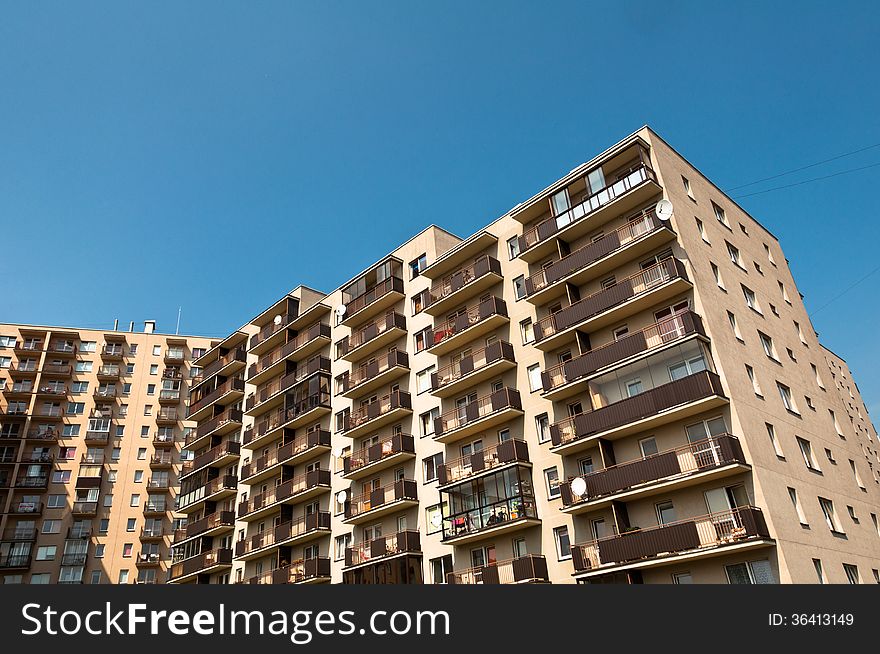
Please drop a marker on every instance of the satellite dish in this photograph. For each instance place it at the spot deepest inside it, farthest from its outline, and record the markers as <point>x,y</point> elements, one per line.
<point>664,210</point>
<point>436,519</point>
<point>340,311</point>
<point>341,496</point>
<point>277,319</point>
<point>578,486</point>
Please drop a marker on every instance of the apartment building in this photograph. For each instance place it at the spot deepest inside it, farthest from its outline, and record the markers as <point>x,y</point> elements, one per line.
<point>92,423</point>
<point>614,382</point>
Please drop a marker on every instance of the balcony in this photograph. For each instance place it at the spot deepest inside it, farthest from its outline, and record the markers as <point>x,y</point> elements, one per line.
<point>169,396</point>
<point>372,375</point>
<point>529,569</point>
<point>105,394</point>
<point>62,370</point>
<point>474,322</point>
<point>161,461</point>
<point>308,571</point>
<point>23,369</point>
<point>112,352</point>
<point>98,436</point>
<point>695,463</point>
<point>109,372</point>
<point>491,459</point>
<point>227,392</point>
<point>658,283</point>
<point>384,547</point>
<point>212,524</point>
<point>148,560</point>
<point>472,369</point>
<point>572,377</point>
<point>454,289</point>
<point>212,490</point>
<point>217,457</point>
<point>85,509</point>
<point>299,489</point>
<point>383,295</point>
<point>223,423</point>
<point>20,507</point>
<point>226,365</point>
<point>163,441</point>
<point>387,452</point>
<point>635,185</point>
<point>663,404</point>
<point>402,494</point>
<point>15,561</point>
<point>14,411</point>
<point>307,343</point>
<point>18,390</point>
<point>294,532</point>
<point>205,563</point>
<point>173,373</point>
<point>158,483</point>
<point>44,435</point>
<point>155,509</point>
<point>388,409</point>
<point>19,534</point>
<point>154,533</point>
<point>62,349</point>
<point>90,481</point>
<point>637,238</point>
<point>174,356</point>
<point>304,446</point>
<point>371,337</point>
<point>270,394</point>
<point>263,340</point>
<point>714,534</point>
<point>297,414</point>
<point>168,416</point>
<point>484,413</point>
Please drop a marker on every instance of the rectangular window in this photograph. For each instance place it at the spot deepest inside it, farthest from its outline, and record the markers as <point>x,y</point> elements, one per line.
<point>563,543</point>
<point>752,378</point>
<point>551,476</point>
<point>787,399</point>
<point>751,298</point>
<point>807,453</point>
<point>753,572</point>
<point>720,215</point>
<point>440,568</point>
<point>542,425</point>
<point>771,432</point>
<point>527,331</point>
<point>830,515</point>
<point>430,465</point>
<point>519,287</point>
<point>796,503</point>
<point>820,574</point>
<point>426,421</point>
<point>852,573</point>
<point>513,247</point>
<point>534,373</point>
<point>423,380</point>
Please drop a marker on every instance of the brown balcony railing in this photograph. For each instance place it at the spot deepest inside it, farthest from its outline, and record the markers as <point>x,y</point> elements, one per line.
<point>370,331</point>
<point>506,398</point>
<point>473,315</point>
<point>109,371</point>
<point>209,522</point>
<point>161,459</point>
<point>227,448</point>
<point>361,374</point>
<point>158,483</point>
<point>112,351</point>
<point>281,384</point>
<point>156,531</point>
<point>238,354</point>
<point>302,443</point>
<point>637,175</point>
<point>285,491</point>
<point>155,508</point>
<point>52,389</point>
<point>654,336</point>
<point>402,489</point>
<point>205,399</point>
<point>64,369</point>
<point>283,415</point>
<point>105,393</point>
<point>388,403</point>
<point>678,463</point>
<point>402,541</point>
<point>524,569</point>
<point>317,330</point>
<point>688,389</point>
<point>85,508</point>
<point>510,451</point>
<point>169,395</point>
<point>147,558</point>
<point>206,489</point>
<point>383,288</point>
<point>168,414</point>
<point>641,283</point>
<point>462,277</point>
<point>199,562</point>
<point>163,440</point>
<point>271,329</point>
<point>497,351</point>
<point>230,415</point>
<point>283,532</point>
<point>62,348</point>
<point>705,532</point>
<point>384,448</point>
<point>302,570</point>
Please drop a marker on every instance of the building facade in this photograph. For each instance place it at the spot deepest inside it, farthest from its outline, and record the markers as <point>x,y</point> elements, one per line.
<point>591,389</point>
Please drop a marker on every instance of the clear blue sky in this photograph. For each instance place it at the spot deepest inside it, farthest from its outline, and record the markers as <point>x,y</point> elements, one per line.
<point>162,136</point>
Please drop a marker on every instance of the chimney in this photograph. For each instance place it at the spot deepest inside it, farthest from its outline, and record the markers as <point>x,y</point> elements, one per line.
<point>131,326</point>
<point>149,326</point>
<point>116,325</point>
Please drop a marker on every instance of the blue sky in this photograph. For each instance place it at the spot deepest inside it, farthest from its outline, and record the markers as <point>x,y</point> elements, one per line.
<point>160,136</point>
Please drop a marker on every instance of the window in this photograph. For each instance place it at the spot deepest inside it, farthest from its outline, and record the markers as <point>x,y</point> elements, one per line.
<point>836,424</point>
<point>792,493</point>
<point>138,476</point>
<point>551,476</point>
<point>75,408</point>
<point>648,446</point>
<point>535,383</point>
<point>771,432</point>
<point>702,230</point>
<point>342,543</point>
<point>417,265</point>
<point>753,572</point>
<point>735,257</point>
<point>126,550</point>
<point>7,341</point>
<point>157,350</point>
<point>856,476</point>
<point>513,247</point>
<point>717,274</point>
<point>758,267</point>
<point>130,525</point>
<point>108,499</point>
<point>767,344</point>
<point>56,501</point>
<point>82,366</point>
<point>852,573</point>
<point>787,399</point>
<point>751,298</point>
<point>423,380</point>
<point>99,551</point>
<point>527,331</point>
<point>70,430</point>
<point>430,465</point>
<point>784,293</point>
<point>103,526</point>
<point>51,526</point>
<point>816,375</point>
<point>852,514</point>
<point>434,518</point>
<point>563,543</point>
<point>5,362</point>
<point>732,320</point>
<point>807,453</point>
<point>755,385</point>
<point>720,216</point>
<point>440,568</point>
<point>665,513</point>
<point>830,515</point>
<point>79,387</point>
<point>60,476</point>
<point>135,500</point>
<point>46,553</point>
<point>154,369</point>
<point>426,421</point>
<point>687,187</point>
<point>680,578</point>
<point>420,339</point>
<point>519,287</point>
<point>148,409</point>
<point>542,425</point>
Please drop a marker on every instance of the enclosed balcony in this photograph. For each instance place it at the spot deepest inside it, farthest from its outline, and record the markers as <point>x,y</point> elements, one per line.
<point>491,459</point>
<point>682,398</point>
<point>697,462</point>
<point>465,326</point>
<point>194,496</point>
<point>383,411</point>
<point>386,452</point>
<point>373,292</point>
<point>155,508</point>
<point>223,423</point>
<point>292,491</point>
<point>163,440</point>
<point>217,457</point>
<point>24,506</point>
<point>302,346</point>
<point>295,413</point>
<point>212,524</point>
<point>471,369</point>
<point>168,416</point>
<point>640,236</point>
<point>15,561</point>
<point>105,393</point>
<point>200,564</point>
<point>169,396</point>
<point>371,337</point>
<point>572,377</point>
<point>113,352</point>
<point>305,446</point>
<point>270,394</point>
<point>613,188</point>
<point>397,496</point>
<point>474,417</point>
<point>710,535</point>
<point>529,569</point>
<point>174,355</point>
<point>653,285</point>
<point>286,534</point>
<point>204,397</point>
<point>372,374</point>
<point>383,547</point>
<point>458,286</point>
<point>85,509</point>
<point>19,534</point>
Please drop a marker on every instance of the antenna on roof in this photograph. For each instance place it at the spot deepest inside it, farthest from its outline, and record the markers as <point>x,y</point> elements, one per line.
<point>179,310</point>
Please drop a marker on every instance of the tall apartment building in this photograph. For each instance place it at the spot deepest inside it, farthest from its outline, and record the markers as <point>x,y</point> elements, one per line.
<point>91,427</point>
<point>586,390</point>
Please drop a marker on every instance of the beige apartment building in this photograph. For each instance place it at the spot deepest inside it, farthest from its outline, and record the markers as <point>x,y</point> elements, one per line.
<point>91,428</point>
<point>615,382</point>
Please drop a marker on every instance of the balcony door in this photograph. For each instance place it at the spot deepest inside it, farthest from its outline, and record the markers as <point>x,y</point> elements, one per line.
<point>560,203</point>
<point>702,437</point>
<point>721,503</point>
<point>670,325</point>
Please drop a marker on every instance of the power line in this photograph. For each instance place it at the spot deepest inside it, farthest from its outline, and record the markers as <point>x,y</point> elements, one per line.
<point>845,291</point>
<point>808,181</point>
<point>796,170</point>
